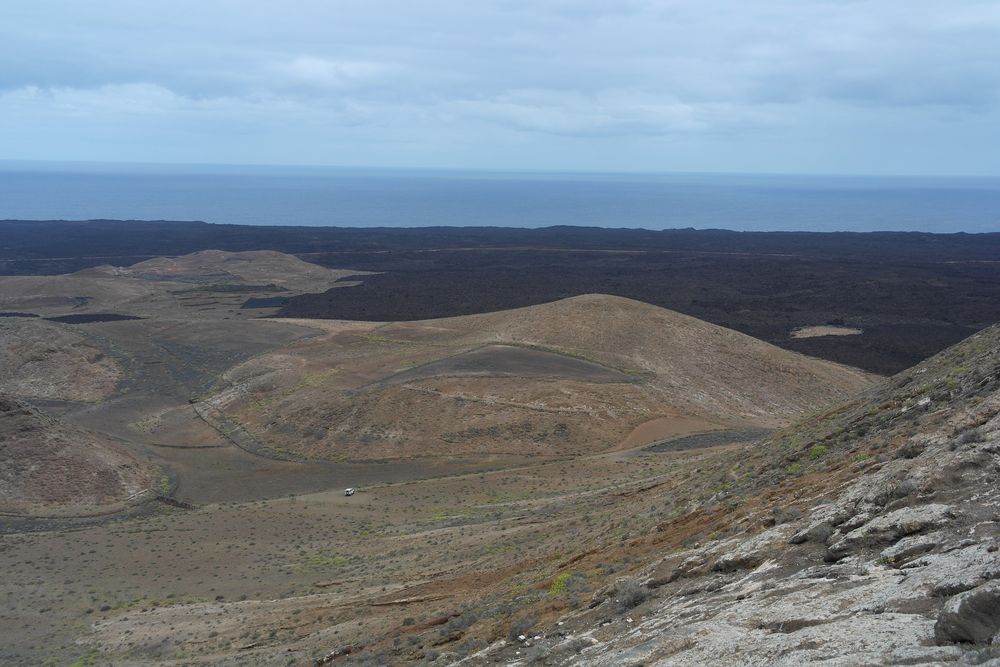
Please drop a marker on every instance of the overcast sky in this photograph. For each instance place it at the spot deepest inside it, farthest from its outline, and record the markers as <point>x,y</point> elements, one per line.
<point>797,86</point>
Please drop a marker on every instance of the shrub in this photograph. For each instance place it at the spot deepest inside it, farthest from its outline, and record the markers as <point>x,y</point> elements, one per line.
<point>567,582</point>
<point>559,584</point>
<point>470,645</point>
<point>970,436</point>
<point>459,623</point>
<point>905,488</point>
<point>818,452</point>
<point>630,594</point>
<point>521,626</point>
<point>785,514</point>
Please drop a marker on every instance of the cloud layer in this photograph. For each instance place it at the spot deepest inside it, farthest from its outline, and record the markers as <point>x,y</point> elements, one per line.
<point>860,86</point>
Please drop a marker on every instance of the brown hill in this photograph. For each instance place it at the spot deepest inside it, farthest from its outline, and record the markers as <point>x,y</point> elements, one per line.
<point>47,467</point>
<point>573,376</point>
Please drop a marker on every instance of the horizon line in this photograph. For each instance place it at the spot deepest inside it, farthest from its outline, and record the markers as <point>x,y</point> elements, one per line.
<point>141,221</point>
<point>491,170</point>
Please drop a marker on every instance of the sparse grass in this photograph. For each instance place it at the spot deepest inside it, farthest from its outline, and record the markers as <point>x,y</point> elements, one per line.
<point>376,338</point>
<point>88,659</point>
<point>275,549</point>
<point>318,560</point>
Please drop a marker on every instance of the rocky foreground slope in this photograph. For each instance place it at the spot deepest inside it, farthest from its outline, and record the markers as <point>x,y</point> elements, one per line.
<point>868,535</point>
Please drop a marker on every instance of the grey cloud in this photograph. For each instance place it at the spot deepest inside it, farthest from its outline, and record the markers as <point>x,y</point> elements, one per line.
<point>482,72</point>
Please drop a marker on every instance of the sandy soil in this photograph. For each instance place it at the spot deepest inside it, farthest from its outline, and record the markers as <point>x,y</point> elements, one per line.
<point>205,285</point>
<point>664,428</point>
<point>825,330</point>
<point>48,467</point>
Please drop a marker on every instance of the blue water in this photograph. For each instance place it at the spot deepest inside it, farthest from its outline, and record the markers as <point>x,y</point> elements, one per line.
<point>400,198</point>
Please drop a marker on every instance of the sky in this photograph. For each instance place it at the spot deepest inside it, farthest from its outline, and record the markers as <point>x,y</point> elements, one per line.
<point>762,86</point>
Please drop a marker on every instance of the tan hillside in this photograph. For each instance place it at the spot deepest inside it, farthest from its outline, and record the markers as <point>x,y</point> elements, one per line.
<point>252,267</point>
<point>47,467</point>
<point>569,377</point>
<point>41,359</point>
<point>709,368</point>
<point>211,283</point>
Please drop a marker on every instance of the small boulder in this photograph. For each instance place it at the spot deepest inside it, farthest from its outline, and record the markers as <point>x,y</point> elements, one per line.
<point>970,617</point>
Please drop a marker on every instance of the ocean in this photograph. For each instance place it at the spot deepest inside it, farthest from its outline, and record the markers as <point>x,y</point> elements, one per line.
<point>315,196</point>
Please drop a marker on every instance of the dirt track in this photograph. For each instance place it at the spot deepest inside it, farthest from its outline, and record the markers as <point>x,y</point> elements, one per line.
<point>511,361</point>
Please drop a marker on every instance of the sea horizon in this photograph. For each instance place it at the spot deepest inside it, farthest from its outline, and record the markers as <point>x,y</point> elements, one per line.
<point>426,197</point>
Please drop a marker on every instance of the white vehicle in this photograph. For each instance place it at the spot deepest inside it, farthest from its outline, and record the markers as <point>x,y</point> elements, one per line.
<point>349,492</point>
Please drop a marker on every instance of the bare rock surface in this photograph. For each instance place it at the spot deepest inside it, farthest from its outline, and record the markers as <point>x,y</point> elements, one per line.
<point>890,527</point>
<point>909,547</point>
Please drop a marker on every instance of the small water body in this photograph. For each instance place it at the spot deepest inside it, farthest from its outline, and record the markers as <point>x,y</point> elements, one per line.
<point>414,198</point>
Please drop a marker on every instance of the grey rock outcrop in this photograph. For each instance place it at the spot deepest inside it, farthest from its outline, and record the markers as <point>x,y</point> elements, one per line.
<point>909,547</point>
<point>890,527</point>
<point>972,616</point>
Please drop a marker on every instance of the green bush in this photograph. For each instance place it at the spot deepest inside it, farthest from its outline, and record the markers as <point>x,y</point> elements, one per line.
<point>559,584</point>
<point>818,452</point>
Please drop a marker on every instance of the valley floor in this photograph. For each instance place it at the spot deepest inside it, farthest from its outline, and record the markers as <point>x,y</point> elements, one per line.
<point>193,585</point>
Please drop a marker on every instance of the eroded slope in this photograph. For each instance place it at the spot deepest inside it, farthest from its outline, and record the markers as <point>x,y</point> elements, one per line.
<point>44,360</point>
<point>47,467</point>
